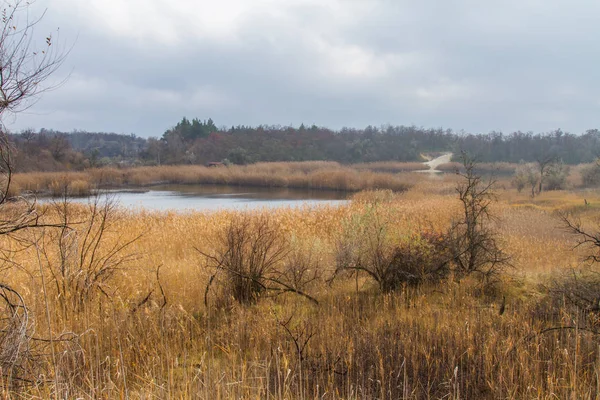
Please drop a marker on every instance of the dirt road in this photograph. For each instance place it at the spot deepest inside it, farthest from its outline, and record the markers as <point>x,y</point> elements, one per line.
<point>433,164</point>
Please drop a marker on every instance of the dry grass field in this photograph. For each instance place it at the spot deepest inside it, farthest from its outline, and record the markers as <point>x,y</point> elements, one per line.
<point>147,305</point>
<point>303,175</point>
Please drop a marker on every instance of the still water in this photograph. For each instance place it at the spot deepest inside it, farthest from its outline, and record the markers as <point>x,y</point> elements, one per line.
<point>219,197</point>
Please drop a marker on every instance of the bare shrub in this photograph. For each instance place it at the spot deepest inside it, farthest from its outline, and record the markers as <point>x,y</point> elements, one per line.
<point>369,244</point>
<point>590,175</point>
<point>301,268</point>
<point>23,70</point>
<point>472,240</point>
<point>80,188</point>
<point>252,257</point>
<point>580,287</point>
<point>15,328</point>
<point>525,176</point>
<point>65,187</point>
<point>556,176</point>
<point>422,258</point>
<point>81,259</point>
<point>545,163</point>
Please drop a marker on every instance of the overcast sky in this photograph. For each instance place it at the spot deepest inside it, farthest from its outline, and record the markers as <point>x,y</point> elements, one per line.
<point>138,66</point>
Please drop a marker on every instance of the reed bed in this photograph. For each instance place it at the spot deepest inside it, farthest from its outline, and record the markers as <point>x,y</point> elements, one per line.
<point>303,175</point>
<point>149,332</point>
<point>392,167</point>
<point>498,169</point>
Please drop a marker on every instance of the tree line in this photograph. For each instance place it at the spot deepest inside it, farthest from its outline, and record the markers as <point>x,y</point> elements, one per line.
<point>198,141</point>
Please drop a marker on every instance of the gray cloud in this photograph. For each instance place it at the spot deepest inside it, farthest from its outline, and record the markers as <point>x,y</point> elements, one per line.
<point>462,64</point>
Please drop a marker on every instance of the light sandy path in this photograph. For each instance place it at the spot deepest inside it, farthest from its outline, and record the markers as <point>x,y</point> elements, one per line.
<point>433,164</point>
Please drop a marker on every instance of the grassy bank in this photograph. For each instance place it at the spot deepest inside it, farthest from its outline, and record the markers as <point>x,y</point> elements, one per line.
<point>497,169</point>
<point>303,175</point>
<point>140,323</point>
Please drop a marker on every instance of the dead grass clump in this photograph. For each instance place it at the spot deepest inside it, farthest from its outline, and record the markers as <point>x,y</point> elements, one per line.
<point>497,168</point>
<point>79,188</point>
<point>310,175</point>
<point>75,188</point>
<point>152,335</point>
<point>390,167</point>
<point>106,177</point>
<point>58,188</point>
<point>374,196</point>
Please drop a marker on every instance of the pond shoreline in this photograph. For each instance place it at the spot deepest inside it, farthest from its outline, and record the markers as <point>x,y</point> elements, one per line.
<point>180,197</point>
<point>325,176</point>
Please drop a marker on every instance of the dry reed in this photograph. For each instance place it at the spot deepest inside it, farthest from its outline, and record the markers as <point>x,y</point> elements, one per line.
<point>152,336</point>
<point>304,175</point>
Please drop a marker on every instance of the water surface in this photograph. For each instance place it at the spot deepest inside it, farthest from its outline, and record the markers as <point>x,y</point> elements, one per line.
<point>219,197</point>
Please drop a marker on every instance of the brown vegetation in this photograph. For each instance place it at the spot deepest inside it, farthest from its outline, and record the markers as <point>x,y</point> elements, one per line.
<point>392,167</point>
<point>499,168</point>
<point>305,175</point>
<point>148,327</point>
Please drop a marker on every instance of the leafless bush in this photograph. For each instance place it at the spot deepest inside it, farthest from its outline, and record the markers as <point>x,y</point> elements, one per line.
<point>14,338</point>
<point>301,267</point>
<point>556,176</point>
<point>590,175</point>
<point>422,258</point>
<point>526,175</point>
<point>252,257</point>
<point>81,260</point>
<point>23,70</point>
<point>580,287</point>
<point>472,240</point>
<point>368,245</point>
<point>71,188</point>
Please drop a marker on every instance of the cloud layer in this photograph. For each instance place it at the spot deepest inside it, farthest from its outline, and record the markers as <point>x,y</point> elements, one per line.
<point>139,66</point>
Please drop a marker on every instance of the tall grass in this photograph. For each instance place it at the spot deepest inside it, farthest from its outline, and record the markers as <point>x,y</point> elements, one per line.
<point>148,333</point>
<point>391,167</point>
<point>497,168</point>
<point>304,175</point>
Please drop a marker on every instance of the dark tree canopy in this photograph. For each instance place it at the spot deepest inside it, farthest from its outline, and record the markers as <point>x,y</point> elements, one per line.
<point>199,141</point>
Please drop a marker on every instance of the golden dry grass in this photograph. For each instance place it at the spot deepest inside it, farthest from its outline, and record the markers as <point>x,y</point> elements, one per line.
<point>497,168</point>
<point>444,341</point>
<point>391,166</point>
<point>313,175</point>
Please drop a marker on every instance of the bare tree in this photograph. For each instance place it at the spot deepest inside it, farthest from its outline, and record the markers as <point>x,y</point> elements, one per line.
<point>25,69</point>
<point>473,242</point>
<point>59,146</point>
<point>25,66</point>
<point>544,164</point>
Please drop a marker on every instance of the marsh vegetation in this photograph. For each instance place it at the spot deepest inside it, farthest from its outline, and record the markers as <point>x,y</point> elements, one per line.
<point>394,295</point>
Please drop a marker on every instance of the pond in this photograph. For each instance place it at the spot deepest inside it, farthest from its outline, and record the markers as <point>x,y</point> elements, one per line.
<point>219,197</point>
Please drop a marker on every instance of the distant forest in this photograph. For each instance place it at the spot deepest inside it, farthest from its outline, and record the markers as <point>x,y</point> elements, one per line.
<point>201,141</point>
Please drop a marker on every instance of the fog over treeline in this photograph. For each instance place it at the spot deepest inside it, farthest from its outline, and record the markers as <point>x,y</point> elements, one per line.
<point>198,141</point>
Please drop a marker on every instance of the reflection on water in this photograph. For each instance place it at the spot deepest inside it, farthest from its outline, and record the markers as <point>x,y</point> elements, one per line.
<point>216,197</point>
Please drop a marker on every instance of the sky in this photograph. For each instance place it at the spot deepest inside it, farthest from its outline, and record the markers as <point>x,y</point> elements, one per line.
<point>139,66</point>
